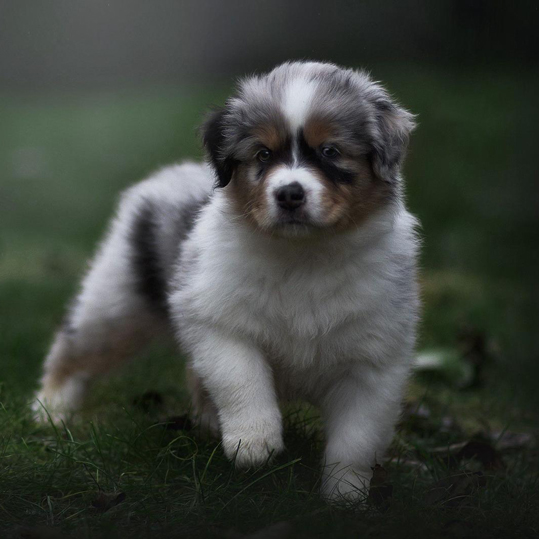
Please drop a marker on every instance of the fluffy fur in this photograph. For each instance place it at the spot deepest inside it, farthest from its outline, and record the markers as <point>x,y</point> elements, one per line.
<point>293,278</point>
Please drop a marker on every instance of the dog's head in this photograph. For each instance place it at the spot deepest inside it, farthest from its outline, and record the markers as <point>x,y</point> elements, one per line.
<point>308,146</point>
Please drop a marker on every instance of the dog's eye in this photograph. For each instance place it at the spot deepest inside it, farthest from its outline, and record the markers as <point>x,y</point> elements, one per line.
<point>330,152</point>
<point>264,155</point>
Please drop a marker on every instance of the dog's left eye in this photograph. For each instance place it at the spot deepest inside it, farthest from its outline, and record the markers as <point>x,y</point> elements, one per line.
<point>330,152</point>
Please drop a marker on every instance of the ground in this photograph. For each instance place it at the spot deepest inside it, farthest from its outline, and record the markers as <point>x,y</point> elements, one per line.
<point>465,460</point>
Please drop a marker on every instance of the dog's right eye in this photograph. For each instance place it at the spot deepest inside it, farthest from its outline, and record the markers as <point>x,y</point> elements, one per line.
<point>264,155</point>
<point>330,152</point>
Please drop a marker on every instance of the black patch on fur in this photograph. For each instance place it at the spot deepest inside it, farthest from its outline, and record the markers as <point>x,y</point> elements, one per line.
<point>213,137</point>
<point>313,157</point>
<point>151,283</point>
<point>188,216</point>
<point>284,154</point>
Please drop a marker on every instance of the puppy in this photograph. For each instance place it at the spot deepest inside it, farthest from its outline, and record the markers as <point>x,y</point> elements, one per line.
<point>286,267</point>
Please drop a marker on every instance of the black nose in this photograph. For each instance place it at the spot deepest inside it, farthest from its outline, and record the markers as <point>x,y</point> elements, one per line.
<point>291,196</point>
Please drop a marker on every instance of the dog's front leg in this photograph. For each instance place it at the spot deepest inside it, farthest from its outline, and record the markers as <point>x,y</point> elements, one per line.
<point>360,413</point>
<point>240,383</point>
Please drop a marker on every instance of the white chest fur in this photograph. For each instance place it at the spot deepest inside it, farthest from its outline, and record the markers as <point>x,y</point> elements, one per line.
<point>307,303</point>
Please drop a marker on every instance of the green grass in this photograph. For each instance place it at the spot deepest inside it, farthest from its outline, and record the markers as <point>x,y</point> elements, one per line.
<point>470,179</point>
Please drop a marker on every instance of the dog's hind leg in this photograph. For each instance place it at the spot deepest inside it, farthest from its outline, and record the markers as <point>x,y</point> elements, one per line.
<point>119,308</point>
<point>80,354</point>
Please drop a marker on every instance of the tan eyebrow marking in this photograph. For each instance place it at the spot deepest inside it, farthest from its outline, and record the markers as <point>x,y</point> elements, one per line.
<point>317,131</point>
<point>269,136</point>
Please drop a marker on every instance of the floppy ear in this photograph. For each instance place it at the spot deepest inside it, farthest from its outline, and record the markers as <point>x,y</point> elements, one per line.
<point>213,137</point>
<point>393,127</point>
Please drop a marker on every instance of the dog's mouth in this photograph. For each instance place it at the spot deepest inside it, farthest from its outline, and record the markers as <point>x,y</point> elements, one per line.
<point>294,224</point>
<point>287,220</point>
<point>293,218</point>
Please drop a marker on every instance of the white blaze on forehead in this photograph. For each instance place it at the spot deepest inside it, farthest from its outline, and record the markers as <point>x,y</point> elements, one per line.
<point>297,101</point>
<point>312,186</point>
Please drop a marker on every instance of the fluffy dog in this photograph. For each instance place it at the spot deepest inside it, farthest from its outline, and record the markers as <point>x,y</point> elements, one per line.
<point>286,267</point>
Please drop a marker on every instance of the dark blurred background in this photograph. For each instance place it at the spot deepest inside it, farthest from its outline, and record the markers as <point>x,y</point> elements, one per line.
<point>96,94</point>
<point>105,44</point>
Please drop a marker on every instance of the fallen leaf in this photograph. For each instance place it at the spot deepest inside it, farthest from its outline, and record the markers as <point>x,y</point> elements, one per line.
<point>105,501</point>
<point>379,476</point>
<point>454,490</point>
<point>381,490</point>
<point>478,448</point>
<point>482,450</point>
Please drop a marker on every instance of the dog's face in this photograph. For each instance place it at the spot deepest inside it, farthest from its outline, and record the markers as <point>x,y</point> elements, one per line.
<point>308,146</point>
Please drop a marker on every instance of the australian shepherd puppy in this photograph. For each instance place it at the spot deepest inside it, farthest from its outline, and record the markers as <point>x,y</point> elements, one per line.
<point>285,266</point>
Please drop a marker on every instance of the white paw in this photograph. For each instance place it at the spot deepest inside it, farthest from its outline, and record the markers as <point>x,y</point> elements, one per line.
<point>345,485</point>
<point>59,404</point>
<point>46,410</point>
<point>254,445</point>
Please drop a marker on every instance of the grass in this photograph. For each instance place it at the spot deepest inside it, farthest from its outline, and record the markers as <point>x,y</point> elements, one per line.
<point>470,178</point>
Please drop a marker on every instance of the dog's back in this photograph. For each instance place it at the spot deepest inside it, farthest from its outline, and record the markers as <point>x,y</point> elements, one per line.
<point>159,213</point>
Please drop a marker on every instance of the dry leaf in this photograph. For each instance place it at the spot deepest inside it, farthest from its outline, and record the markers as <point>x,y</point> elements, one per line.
<point>381,490</point>
<point>478,448</point>
<point>105,501</point>
<point>454,490</point>
<point>483,451</point>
